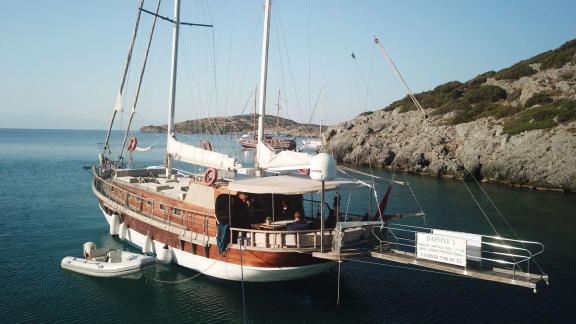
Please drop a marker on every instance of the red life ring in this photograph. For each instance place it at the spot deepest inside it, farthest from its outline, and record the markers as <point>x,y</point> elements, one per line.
<point>206,145</point>
<point>132,144</point>
<point>210,176</point>
<point>304,172</point>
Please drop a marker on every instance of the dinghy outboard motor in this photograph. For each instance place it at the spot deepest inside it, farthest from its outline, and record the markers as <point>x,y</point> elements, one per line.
<point>89,247</point>
<point>164,255</point>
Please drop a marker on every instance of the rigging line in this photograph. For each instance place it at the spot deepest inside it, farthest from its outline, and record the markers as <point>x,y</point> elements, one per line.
<point>309,53</point>
<point>174,22</point>
<point>505,221</point>
<point>372,176</point>
<point>283,39</point>
<point>242,275</point>
<point>375,193</point>
<point>216,107</point>
<point>247,102</point>
<point>370,72</point>
<point>429,123</point>
<point>283,78</point>
<point>400,77</point>
<point>362,78</point>
<point>320,93</point>
<point>142,71</point>
<point>117,106</point>
<point>486,216</point>
<point>415,199</point>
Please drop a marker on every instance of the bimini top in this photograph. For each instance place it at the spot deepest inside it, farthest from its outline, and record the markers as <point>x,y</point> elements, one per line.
<point>289,185</point>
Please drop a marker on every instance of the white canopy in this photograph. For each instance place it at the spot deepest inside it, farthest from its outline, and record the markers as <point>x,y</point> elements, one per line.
<point>288,185</point>
<point>198,156</point>
<point>282,161</point>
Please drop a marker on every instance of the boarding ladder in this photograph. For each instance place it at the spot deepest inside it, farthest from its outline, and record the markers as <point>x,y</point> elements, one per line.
<point>483,257</point>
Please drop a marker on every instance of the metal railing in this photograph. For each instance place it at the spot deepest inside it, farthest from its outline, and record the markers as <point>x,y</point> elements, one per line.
<point>494,250</point>
<point>297,240</point>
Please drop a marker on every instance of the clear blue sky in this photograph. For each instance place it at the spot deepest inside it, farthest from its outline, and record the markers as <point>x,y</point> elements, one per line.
<point>61,61</point>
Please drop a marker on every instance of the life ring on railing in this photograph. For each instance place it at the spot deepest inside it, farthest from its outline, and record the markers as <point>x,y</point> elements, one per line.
<point>210,176</point>
<point>304,172</point>
<point>206,145</point>
<point>132,144</point>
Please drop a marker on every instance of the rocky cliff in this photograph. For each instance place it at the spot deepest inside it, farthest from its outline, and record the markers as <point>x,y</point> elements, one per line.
<point>515,126</point>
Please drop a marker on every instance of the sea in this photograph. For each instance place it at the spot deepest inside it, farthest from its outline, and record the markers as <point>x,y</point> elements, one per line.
<point>47,211</point>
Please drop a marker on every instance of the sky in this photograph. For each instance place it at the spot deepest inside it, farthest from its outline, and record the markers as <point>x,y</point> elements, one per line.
<point>61,62</point>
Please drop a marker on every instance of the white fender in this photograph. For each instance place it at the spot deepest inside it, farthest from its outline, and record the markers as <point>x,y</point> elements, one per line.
<point>114,222</point>
<point>122,231</point>
<point>147,246</point>
<point>164,255</point>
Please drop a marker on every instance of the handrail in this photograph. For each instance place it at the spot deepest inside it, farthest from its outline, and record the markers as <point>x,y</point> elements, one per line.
<point>525,256</point>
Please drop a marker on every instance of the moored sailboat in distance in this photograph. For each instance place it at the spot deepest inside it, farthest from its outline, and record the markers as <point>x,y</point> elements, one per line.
<point>276,142</point>
<point>271,222</point>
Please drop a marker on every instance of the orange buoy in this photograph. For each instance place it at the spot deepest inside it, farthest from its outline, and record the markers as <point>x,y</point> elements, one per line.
<point>210,176</point>
<point>206,145</point>
<point>132,144</point>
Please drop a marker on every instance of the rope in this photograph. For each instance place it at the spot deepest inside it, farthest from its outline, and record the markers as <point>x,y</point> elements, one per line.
<point>187,279</point>
<point>242,276</point>
<point>415,199</point>
<point>142,71</point>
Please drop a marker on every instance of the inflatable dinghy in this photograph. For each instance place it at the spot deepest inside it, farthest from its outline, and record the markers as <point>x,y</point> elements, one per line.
<point>107,263</point>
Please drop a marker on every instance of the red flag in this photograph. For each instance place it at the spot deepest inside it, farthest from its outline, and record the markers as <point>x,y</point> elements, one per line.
<point>382,206</point>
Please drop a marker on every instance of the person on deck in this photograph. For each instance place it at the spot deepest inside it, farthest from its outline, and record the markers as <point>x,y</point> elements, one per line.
<point>285,212</point>
<point>298,224</point>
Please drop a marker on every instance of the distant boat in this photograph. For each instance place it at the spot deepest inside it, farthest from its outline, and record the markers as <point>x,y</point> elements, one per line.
<point>275,142</point>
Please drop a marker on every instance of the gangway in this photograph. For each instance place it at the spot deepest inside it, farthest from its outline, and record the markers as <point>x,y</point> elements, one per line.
<point>490,258</point>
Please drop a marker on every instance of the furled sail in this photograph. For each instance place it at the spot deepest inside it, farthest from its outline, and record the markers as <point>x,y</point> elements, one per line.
<point>282,161</point>
<point>199,156</point>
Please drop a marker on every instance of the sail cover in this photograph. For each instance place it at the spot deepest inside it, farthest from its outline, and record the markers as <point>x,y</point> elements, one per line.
<point>282,161</point>
<point>198,156</point>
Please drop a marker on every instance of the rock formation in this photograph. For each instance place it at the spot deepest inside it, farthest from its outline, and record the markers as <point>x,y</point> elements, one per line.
<point>515,126</point>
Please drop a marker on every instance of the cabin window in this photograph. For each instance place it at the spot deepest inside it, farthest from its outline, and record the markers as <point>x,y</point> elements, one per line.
<point>162,207</point>
<point>149,202</point>
<point>177,211</point>
<point>138,199</point>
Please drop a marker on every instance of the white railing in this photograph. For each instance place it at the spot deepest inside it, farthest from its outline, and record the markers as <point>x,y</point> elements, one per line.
<point>494,250</point>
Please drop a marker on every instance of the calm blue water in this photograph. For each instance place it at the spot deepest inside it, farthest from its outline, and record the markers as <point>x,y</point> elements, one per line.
<point>48,211</point>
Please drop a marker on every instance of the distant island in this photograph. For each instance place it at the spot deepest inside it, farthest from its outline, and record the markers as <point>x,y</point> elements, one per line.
<point>514,126</point>
<point>239,124</point>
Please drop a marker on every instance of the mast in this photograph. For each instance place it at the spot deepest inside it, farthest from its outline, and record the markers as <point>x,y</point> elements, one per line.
<point>118,104</point>
<point>255,110</point>
<point>322,111</point>
<point>263,77</point>
<point>278,113</point>
<point>173,77</point>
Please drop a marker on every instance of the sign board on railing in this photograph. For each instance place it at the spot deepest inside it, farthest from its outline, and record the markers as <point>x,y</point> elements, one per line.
<point>473,242</point>
<point>441,248</point>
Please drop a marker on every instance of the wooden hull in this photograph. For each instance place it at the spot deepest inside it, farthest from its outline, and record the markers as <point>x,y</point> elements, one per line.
<point>234,264</point>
